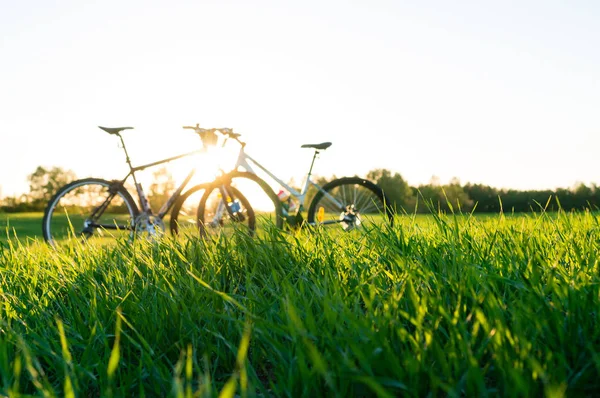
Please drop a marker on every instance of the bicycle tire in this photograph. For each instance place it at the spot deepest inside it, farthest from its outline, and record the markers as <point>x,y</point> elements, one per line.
<point>207,225</point>
<point>358,197</point>
<point>78,205</point>
<point>181,211</point>
<point>252,185</point>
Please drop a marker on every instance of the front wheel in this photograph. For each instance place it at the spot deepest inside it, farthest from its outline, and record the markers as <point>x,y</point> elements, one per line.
<point>91,209</point>
<point>223,209</point>
<point>184,216</point>
<point>265,203</point>
<point>350,202</point>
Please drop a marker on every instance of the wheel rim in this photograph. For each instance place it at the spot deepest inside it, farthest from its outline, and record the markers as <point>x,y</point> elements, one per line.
<point>262,204</point>
<point>185,220</point>
<point>351,205</point>
<point>215,220</point>
<point>70,216</point>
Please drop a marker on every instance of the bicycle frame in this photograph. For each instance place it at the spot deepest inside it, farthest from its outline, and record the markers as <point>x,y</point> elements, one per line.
<point>242,161</point>
<point>144,204</point>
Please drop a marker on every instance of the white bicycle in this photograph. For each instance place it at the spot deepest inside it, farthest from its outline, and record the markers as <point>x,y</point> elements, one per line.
<point>351,202</point>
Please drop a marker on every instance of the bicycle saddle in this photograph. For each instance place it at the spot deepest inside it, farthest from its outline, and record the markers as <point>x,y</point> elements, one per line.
<point>114,130</point>
<point>322,145</point>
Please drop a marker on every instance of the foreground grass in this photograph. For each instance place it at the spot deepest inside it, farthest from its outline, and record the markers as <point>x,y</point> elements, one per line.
<point>457,306</point>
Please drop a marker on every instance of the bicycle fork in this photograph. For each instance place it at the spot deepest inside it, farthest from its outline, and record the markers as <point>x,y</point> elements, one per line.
<point>228,204</point>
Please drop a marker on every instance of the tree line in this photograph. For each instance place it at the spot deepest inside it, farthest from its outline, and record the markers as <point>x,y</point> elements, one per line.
<point>45,182</point>
<point>480,198</point>
<point>434,196</point>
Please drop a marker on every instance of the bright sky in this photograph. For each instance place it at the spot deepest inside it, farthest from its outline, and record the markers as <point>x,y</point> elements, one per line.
<point>505,93</point>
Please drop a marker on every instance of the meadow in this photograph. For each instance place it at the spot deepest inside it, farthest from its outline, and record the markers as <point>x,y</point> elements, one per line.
<point>438,304</point>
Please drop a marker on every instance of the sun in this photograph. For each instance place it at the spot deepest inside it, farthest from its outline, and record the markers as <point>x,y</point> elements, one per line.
<point>208,165</point>
<point>205,166</point>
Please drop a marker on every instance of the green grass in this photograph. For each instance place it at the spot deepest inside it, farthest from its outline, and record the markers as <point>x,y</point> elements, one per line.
<point>21,225</point>
<point>457,306</point>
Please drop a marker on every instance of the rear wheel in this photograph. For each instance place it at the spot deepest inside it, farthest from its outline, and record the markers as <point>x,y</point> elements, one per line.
<point>351,202</point>
<point>91,209</point>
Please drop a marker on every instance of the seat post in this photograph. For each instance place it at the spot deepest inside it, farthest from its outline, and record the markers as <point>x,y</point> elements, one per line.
<point>125,149</point>
<point>312,164</point>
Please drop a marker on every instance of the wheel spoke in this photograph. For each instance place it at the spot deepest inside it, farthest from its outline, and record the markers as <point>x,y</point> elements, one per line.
<point>359,198</point>
<point>358,203</point>
<point>330,206</point>
<point>371,208</point>
<point>87,210</point>
<point>219,217</point>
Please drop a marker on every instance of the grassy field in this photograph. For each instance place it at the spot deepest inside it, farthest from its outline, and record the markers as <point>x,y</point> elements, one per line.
<point>457,306</point>
<point>20,225</point>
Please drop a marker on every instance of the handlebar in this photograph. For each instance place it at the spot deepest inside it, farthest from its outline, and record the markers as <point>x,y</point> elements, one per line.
<point>226,131</point>
<point>223,130</point>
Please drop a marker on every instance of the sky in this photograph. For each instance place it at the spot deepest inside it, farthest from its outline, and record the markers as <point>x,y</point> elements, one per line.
<point>501,93</point>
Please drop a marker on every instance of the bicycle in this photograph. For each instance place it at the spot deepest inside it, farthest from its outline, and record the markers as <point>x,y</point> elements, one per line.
<point>349,201</point>
<point>186,209</point>
<point>95,207</point>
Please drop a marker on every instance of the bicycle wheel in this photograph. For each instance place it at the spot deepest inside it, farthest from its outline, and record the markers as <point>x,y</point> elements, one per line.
<point>217,216</point>
<point>265,203</point>
<point>184,215</point>
<point>350,202</point>
<point>89,209</point>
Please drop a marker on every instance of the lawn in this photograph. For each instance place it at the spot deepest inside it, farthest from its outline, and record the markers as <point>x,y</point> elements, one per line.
<point>441,305</point>
<point>21,225</point>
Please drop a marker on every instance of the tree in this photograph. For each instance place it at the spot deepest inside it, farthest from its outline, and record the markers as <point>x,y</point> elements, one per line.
<point>455,195</point>
<point>43,183</point>
<point>436,197</point>
<point>486,198</point>
<point>395,187</point>
<point>161,189</point>
<point>15,204</point>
